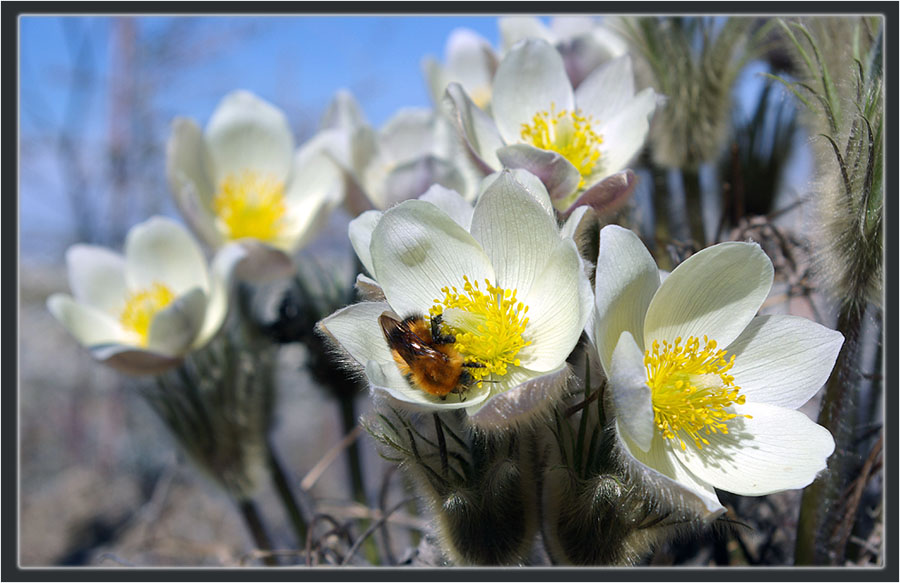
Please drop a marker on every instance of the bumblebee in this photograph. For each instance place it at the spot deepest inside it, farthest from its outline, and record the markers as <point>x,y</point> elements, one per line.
<point>426,357</point>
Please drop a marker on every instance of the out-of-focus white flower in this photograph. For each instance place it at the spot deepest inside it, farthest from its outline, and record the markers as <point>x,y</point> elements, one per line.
<point>415,149</point>
<point>241,180</point>
<point>143,312</point>
<point>470,61</point>
<point>704,392</point>
<point>576,141</point>
<point>583,43</point>
<point>509,288</point>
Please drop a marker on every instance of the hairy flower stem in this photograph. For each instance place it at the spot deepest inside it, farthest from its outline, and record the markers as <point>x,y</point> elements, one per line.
<point>822,507</point>
<point>253,522</point>
<point>286,494</point>
<point>693,203</point>
<point>354,465</point>
<point>661,229</point>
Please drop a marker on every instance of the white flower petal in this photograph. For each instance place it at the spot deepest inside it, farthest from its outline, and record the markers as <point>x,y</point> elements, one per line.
<point>450,201</point>
<point>368,289</point>
<point>516,28</point>
<point>470,59</point>
<point>778,449</point>
<point>387,378</point>
<point>529,80</point>
<point>412,179</point>
<point>531,395</point>
<point>570,26</point>
<point>783,360</point>
<point>631,396</point>
<point>360,232</point>
<point>222,270</point>
<point>173,329</point>
<point>159,250</point>
<point>626,280</point>
<point>247,133</point>
<point>407,135</point>
<point>86,323</point>
<point>134,361</point>
<point>315,188</point>
<point>669,478</point>
<point>515,232</point>
<point>531,183</point>
<point>480,133</point>
<point>188,168</point>
<point>715,292</point>
<point>97,277</point>
<point>357,331</point>
<point>573,225</point>
<point>606,91</point>
<point>417,250</point>
<point>624,135</point>
<point>559,304</point>
<point>436,77</point>
<point>343,112</point>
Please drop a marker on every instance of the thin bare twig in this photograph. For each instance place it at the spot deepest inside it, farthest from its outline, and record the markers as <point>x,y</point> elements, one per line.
<point>370,530</point>
<point>313,475</point>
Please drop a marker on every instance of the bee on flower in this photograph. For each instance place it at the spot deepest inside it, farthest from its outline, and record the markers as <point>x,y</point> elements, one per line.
<point>496,291</point>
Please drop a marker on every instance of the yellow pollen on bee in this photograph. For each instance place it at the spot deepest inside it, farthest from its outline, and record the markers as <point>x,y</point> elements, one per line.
<point>691,389</point>
<point>250,204</point>
<point>489,327</point>
<point>568,133</point>
<point>140,308</point>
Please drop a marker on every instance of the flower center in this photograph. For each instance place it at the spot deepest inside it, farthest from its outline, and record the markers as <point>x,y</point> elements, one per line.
<point>250,205</point>
<point>489,327</point>
<point>141,306</point>
<point>481,96</point>
<point>567,133</point>
<point>691,389</point>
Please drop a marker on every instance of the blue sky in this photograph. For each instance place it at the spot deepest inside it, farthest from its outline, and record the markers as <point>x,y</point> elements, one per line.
<point>287,58</point>
<point>295,62</point>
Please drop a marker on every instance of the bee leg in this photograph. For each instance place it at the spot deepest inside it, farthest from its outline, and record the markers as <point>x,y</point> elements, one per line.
<point>436,332</point>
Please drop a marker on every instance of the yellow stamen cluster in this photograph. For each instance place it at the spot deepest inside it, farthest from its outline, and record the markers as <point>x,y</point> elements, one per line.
<point>691,389</point>
<point>490,328</point>
<point>140,308</point>
<point>250,205</point>
<point>567,133</point>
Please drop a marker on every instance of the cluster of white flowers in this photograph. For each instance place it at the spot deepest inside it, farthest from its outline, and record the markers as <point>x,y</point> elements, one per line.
<point>477,295</point>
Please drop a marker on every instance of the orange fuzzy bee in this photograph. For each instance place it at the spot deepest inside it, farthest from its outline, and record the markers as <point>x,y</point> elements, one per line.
<point>426,357</point>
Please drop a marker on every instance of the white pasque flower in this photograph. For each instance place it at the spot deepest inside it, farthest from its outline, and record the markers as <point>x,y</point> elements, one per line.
<point>413,150</point>
<point>583,43</point>
<point>142,312</point>
<point>509,287</point>
<point>578,142</point>
<point>470,60</point>
<point>704,391</point>
<point>241,180</point>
